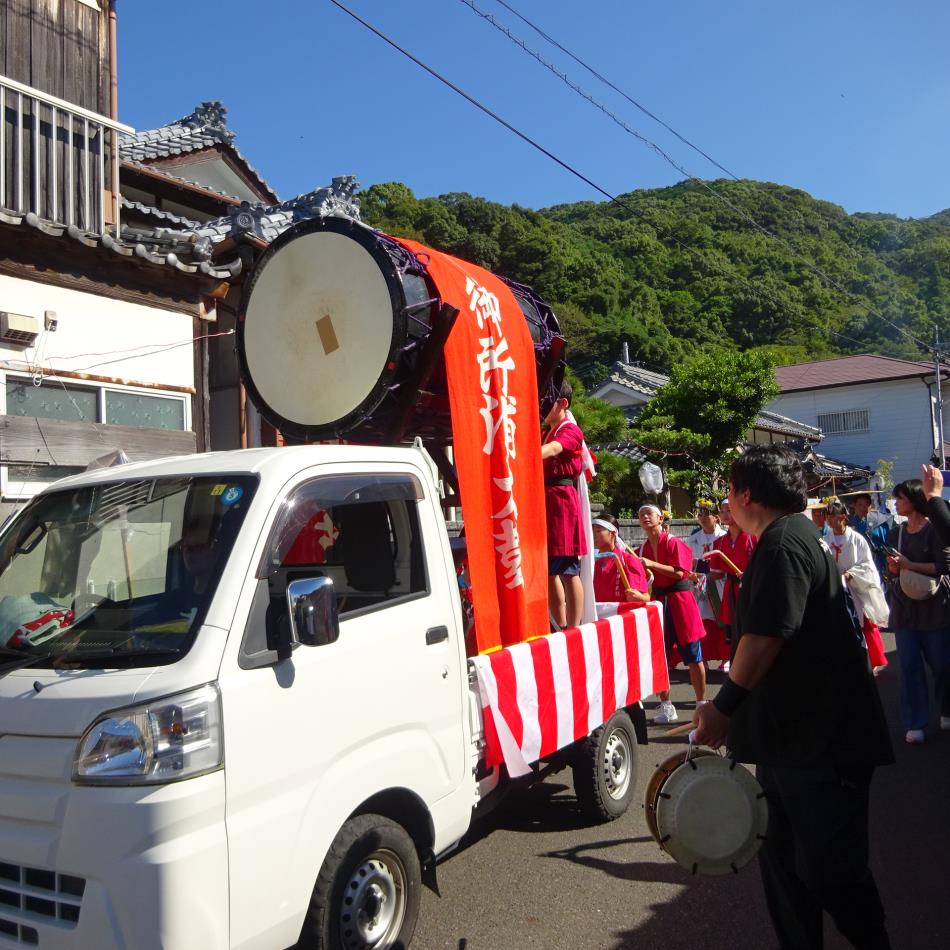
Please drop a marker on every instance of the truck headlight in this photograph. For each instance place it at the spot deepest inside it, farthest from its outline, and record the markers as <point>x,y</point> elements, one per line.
<point>164,740</point>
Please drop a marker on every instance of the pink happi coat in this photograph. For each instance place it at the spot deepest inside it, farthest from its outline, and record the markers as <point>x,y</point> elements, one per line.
<point>682,612</point>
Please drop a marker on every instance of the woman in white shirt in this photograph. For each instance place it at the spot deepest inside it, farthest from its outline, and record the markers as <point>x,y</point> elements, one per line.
<point>856,563</point>
<point>709,594</point>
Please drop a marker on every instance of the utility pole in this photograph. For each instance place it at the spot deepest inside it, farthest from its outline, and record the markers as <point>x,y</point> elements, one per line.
<point>937,370</point>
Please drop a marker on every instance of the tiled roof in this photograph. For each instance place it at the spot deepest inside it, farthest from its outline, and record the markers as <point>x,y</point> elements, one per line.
<point>268,221</point>
<point>149,248</point>
<point>204,128</point>
<point>646,383</point>
<point>815,463</point>
<point>823,466</point>
<point>775,422</point>
<point>845,370</point>
<point>626,450</point>
<point>165,216</point>
<point>636,378</point>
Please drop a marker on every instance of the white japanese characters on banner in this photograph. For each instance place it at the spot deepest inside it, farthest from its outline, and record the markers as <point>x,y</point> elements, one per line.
<point>496,442</point>
<point>495,362</point>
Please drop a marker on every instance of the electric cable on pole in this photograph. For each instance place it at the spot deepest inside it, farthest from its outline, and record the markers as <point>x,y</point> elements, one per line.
<point>938,370</point>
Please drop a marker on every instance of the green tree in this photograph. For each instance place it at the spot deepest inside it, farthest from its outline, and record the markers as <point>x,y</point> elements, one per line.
<point>699,419</point>
<point>671,269</point>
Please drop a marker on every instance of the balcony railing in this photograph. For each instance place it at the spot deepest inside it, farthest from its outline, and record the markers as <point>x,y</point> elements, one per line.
<point>58,160</point>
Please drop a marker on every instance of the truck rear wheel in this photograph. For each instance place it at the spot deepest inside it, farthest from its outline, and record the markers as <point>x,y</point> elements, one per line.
<point>367,895</point>
<point>605,769</point>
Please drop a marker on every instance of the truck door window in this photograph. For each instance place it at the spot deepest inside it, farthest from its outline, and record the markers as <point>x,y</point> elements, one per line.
<point>361,531</point>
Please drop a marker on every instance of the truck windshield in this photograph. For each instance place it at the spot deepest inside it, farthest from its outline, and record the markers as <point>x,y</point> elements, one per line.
<point>117,574</point>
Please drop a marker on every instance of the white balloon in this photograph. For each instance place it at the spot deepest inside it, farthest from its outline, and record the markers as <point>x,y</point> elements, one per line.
<point>651,477</point>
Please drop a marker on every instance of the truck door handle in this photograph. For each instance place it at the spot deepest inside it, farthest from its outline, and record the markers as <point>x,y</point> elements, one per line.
<point>436,635</point>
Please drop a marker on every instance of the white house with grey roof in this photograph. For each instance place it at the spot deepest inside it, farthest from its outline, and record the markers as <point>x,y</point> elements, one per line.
<point>631,387</point>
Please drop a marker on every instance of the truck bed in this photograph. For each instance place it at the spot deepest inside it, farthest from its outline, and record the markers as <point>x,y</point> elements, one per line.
<point>540,696</point>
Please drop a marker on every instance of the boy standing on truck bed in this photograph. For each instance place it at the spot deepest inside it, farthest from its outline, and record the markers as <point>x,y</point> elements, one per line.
<point>561,456</point>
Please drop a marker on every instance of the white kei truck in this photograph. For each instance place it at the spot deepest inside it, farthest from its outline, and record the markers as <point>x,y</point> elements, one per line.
<point>236,706</point>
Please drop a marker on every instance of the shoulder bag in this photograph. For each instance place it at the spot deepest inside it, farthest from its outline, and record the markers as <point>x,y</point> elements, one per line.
<point>916,586</point>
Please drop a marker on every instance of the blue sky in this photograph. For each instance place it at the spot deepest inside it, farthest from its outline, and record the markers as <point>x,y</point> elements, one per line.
<point>848,100</point>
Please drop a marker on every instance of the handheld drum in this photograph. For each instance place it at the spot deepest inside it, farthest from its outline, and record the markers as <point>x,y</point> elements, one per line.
<point>340,334</point>
<point>706,811</point>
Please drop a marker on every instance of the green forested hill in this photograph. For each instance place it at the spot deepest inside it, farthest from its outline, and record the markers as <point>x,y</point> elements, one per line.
<point>678,266</point>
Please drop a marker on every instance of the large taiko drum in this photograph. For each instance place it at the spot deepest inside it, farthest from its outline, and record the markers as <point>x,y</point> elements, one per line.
<point>706,811</point>
<point>339,336</point>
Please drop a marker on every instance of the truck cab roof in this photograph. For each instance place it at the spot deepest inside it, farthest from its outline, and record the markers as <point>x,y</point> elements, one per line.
<point>270,463</point>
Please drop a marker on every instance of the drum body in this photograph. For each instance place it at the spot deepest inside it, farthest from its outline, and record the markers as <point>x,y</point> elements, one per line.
<point>338,336</point>
<point>707,812</point>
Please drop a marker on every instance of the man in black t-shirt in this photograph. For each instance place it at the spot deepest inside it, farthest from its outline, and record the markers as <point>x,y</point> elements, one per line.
<point>801,704</point>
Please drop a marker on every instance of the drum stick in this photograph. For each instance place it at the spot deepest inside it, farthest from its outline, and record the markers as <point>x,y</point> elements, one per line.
<point>680,730</point>
<point>709,554</point>
<point>623,573</point>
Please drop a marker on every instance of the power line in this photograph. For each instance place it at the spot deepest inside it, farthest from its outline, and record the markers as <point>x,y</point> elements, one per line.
<point>478,105</point>
<point>544,151</point>
<point>151,349</point>
<point>617,89</point>
<point>827,278</point>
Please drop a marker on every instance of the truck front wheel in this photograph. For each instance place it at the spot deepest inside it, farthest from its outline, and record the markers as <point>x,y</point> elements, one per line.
<point>605,769</point>
<point>368,891</point>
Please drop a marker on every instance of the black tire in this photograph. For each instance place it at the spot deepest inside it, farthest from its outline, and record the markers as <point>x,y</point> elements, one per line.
<point>605,769</point>
<point>368,891</point>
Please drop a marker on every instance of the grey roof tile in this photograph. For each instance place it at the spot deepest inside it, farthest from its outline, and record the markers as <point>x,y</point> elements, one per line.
<point>156,254</point>
<point>160,215</point>
<point>206,127</point>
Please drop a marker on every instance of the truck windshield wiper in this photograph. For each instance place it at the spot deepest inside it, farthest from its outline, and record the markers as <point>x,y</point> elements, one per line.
<point>22,660</point>
<point>76,656</point>
<point>70,657</point>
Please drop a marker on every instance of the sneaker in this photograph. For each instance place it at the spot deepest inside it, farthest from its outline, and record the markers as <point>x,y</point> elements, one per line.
<point>945,722</point>
<point>665,714</point>
<point>915,736</point>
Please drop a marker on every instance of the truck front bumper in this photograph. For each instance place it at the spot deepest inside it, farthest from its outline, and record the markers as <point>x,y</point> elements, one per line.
<point>112,867</point>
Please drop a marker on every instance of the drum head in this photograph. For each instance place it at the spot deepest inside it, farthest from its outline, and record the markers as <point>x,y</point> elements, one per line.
<point>320,331</point>
<point>711,815</point>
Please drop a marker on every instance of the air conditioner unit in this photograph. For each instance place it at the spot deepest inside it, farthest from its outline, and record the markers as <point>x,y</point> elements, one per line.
<point>18,329</point>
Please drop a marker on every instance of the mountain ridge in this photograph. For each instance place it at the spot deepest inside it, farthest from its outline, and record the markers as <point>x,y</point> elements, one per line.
<point>669,269</point>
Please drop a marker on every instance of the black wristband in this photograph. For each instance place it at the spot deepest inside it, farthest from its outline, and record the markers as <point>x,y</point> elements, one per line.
<point>730,697</point>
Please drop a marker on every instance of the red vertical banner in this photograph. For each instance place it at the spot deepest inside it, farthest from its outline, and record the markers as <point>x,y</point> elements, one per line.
<point>493,396</point>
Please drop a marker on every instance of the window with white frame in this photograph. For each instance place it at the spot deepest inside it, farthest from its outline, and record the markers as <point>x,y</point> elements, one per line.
<point>846,422</point>
<point>68,401</point>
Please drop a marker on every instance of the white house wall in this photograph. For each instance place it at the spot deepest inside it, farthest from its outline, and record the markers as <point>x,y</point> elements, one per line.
<point>89,324</point>
<point>899,427</point>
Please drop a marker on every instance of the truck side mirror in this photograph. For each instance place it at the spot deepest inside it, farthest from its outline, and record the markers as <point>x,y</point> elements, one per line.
<point>313,615</point>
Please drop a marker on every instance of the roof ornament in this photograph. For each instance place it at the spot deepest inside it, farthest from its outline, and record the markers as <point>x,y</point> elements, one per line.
<point>338,199</point>
<point>246,219</point>
<point>211,114</point>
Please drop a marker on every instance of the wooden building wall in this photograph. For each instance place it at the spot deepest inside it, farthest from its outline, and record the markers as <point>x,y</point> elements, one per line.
<point>60,47</point>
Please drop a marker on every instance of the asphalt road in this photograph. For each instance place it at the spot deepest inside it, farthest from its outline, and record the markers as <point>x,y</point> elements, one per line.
<point>534,874</point>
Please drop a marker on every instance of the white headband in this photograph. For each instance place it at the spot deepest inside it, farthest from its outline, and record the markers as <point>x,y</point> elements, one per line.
<point>618,543</point>
<point>650,508</point>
